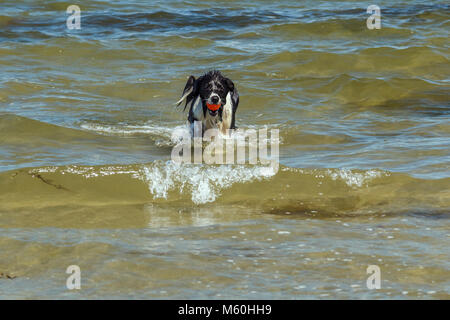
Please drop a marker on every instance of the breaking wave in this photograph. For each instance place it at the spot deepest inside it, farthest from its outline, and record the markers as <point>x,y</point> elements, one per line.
<point>295,190</point>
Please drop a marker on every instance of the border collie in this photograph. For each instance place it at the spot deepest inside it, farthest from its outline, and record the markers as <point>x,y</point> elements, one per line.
<point>213,101</point>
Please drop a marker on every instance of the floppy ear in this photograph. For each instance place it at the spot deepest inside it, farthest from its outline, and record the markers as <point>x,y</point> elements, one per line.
<point>189,92</point>
<point>234,93</point>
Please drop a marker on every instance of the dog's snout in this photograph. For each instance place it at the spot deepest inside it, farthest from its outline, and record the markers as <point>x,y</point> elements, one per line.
<point>215,99</point>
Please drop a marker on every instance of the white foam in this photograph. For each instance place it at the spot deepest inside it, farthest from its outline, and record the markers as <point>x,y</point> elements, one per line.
<point>165,133</point>
<point>90,172</point>
<point>204,182</point>
<point>170,135</point>
<point>125,129</point>
<point>355,179</point>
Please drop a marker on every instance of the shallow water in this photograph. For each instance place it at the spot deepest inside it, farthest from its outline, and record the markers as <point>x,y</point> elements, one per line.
<point>86,118</point>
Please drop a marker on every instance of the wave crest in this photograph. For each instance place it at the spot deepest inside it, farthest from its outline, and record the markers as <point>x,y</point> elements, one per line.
<point>204,182</point>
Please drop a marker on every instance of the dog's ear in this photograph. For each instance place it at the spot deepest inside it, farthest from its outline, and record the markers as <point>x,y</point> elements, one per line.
<point>189,92</point>
<point>233,92</point>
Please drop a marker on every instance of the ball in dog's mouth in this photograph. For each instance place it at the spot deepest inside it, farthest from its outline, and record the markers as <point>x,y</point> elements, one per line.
<point>213,109</point>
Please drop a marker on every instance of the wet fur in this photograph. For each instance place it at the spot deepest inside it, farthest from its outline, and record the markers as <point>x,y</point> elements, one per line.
<point>196,93</point>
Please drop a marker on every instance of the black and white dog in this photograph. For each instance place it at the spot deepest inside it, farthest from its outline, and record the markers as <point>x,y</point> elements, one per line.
<point>213,101</point>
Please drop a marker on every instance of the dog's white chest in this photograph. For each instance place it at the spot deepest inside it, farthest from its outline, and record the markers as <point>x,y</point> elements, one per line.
<point>210,122</point>
<point>227,114</point>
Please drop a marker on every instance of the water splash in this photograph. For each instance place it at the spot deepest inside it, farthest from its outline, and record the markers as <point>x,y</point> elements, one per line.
<point>204,182</point>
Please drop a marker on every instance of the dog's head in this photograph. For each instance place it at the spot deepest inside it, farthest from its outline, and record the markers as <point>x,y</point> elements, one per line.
<point>213,89</point>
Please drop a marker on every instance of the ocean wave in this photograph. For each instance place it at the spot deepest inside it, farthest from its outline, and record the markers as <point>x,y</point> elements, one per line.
<point>170,134</point>
<point>295,190</point>
<point>129,129</point>
<point>205,183</point>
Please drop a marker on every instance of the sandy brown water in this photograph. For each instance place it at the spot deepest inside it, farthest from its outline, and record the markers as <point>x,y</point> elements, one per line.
<point>86,118</point>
